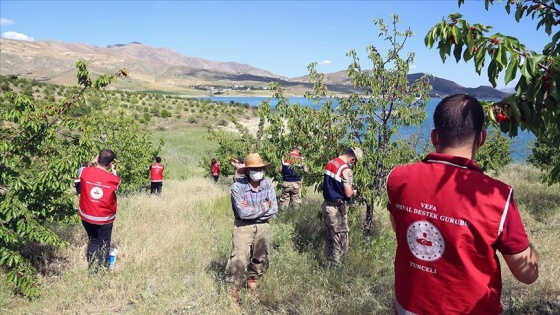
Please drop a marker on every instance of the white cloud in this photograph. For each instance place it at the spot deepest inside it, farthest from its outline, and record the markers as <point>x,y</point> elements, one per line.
<point>324,62</point>
<point>16,35</point>
<point>413,67</point>
<point>4,21</point>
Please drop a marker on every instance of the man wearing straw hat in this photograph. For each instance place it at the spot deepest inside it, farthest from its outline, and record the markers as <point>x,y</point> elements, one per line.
<point>337,191</point>
<point>253,201</point>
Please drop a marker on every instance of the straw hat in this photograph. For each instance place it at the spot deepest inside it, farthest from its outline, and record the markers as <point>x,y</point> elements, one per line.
<point>254,160</point>
<point>358,153</point>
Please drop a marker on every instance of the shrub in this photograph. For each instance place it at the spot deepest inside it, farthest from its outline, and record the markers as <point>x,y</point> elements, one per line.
<point>495,154</point>
<point>165,113</point>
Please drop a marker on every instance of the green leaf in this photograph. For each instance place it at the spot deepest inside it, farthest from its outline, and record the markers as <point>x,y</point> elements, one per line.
<point>443,50</point>
<point>431,37</point>
<point>511,70</point>
<point>467,54</point>
<point>531,66</point>
<point>479,59</point>
<point>521,86</point>
<point>457,52</point>
<point>525,112</point>
<point>492,73</point>
<point>518,13</point>
<point>504,126</point>
<point>428,40</point>
<point>502,57</point>
<point>515,110</point>
<point>456,33</point>
<point>491,115</point>
<point>554,94</point>
<point>513,128</point>
<point>526,72</point>
<point>443,30</point>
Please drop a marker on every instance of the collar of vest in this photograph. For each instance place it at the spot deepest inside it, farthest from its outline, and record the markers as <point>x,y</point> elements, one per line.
<point>452,160</point>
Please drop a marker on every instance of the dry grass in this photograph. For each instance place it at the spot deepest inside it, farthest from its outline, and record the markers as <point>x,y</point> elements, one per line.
<point>540,207</point>
<point>168,247</point>
<point>173,250</point>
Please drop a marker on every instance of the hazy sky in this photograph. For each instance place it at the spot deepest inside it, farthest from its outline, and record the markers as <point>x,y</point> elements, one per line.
<point>279,36</point>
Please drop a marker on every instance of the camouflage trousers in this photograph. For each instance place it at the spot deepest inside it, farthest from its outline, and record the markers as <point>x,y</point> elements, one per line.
<point>291,191</point>
<point>249,256</point>
<point>335,221</point>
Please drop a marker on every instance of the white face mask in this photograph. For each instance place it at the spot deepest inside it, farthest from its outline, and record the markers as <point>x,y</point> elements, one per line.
<point>256,175</point>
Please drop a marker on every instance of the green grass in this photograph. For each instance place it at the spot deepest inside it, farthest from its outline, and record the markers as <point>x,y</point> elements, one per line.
<point>183,150</point>
<point>173,250</point>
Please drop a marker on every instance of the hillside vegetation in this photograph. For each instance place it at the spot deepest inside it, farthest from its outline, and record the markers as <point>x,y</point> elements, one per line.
<point>173,250</point>
<point>156,109</point>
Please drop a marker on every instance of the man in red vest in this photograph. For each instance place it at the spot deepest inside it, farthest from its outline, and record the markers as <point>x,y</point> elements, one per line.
<point>156,176</point>
<point>449,219</point>
<point>98,207</point>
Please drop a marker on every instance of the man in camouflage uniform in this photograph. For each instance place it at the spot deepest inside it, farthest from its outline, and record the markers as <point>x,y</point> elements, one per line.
<point>292,169</point>
<point>337,191</point>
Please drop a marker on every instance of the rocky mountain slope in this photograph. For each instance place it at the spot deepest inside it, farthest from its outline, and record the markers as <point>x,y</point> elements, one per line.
<point>163,69</point>
<point>440,86</point>
<point>148,67</point>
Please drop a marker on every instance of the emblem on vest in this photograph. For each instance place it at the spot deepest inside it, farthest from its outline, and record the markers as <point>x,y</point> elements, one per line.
<point>425,241</point>
<point>96,193</point>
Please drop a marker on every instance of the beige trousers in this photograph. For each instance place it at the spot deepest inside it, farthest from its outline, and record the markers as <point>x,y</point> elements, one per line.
<point>335,221</point>
<point>291,191</point>
<point>249,256</point>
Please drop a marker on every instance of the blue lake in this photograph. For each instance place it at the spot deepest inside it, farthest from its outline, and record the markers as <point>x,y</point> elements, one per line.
<point>521,145</point>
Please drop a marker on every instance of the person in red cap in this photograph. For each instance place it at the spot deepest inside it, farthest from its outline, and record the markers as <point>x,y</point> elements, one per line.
<point>292,170</point>
<point>450,219</point>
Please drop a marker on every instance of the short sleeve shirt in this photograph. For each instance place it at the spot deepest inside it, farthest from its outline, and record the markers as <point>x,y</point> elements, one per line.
<point>450,219</point>
<point>347,177</point>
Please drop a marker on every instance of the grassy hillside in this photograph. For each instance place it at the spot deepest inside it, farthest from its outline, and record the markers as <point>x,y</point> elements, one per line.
<point>158,110</point>
<point>173,250</point>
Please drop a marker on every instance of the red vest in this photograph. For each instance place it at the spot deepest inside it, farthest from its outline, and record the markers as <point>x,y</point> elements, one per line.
<point>450,218</point>
<point>333,188</point>
<point>156,172</point>
<point>98,200</point>
<point>215,169</point>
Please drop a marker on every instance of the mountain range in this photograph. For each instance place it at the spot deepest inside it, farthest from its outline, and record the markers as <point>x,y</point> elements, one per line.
<point>163,69</point>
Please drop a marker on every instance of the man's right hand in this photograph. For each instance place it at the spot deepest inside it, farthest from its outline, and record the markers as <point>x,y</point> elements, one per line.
<point>95,160</point>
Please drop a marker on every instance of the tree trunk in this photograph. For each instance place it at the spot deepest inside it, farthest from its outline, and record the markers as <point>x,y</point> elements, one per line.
<point>368,224</point>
